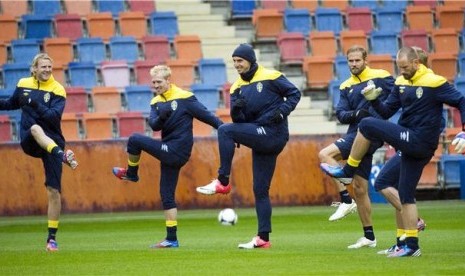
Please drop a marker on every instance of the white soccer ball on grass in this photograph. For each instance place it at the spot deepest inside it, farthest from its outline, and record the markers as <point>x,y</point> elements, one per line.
<point>227,217</point>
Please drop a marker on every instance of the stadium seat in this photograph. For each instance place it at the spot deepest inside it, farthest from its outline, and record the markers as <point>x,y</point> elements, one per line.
<point>373,5</point>
<point>304,4</point>
<point>207,94</point>
<point>401,5</point>
<point>68,25</point>
<point>124,48</point>
<point>450,168</point>
<point>460,4</point>
<point>459,82</point>
<point>76,100</point>
<point>444,64</point>
<point>115,73</point>
<point>384,42</point>
<point>225,95</point>
<point>182,72</point>
<point>91,49</point>
<point>82,8</point>
<point>106,99</point>
<point>70,126</point>
<point>138,98</point>
<point>431,3</point>
<point>382,61</point>
<point>274,4</point>
<point>201,129</point>
<point>445,40</point>
<point>292,48</point>
<point>13,72</point>
<point>36,26</point>
<point>58,72</point>
<point>268,24</point>
<point>188,47</point>
<point>419,17</point>
<point>334,95</point>
<point>342,67</point>
<point>461,63</point>
<point>389,19</point>
<point>15,8</point>
<point>359,19</point>
<point>142,71</point>
<point>164,23</point>
<point>224,114</point>
<point>3,53</point>
<point>429,176</point>
<point>156,48</point>
<point>328,19</point>
<point>60,49</point>
<point>212,71</point>
<point>49,7</point>
<point>318,71</point>
<point>98,126</point>
<point>342,5</point>
<point>453,113</point>
<point>298,20</point>
<point>130,123</point>
<point>9,27</point>
<point>350,38</point>
<point>144,6</point>
<point>415,38</point>
<point>6,129</point>
<point>450,16</point>
<point>242,8</point>
<point>24,50</point>
<point>82,74</point>
<point>133,23</point>
<point>101,25</point>
<point>113,6</point>
<point>323,43</point>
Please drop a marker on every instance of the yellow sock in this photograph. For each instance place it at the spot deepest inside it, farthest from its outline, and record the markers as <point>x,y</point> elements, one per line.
<point>400,232</point>
<point>53,224</point>
<point>352,162</point>
<point>171,223</point>
<point>133,164</point>
<point>51,146</point>
<point>411,233</point>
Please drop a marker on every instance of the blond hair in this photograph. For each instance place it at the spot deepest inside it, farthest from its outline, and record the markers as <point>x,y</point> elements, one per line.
<point>422,55</point>
<point>162,70</point>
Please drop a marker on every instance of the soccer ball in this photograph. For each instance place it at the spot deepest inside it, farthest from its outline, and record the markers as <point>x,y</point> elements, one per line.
<point>227,217</point>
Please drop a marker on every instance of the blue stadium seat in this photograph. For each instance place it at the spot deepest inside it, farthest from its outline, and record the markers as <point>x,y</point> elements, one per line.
<point>124,48</point>
<point>399,4</point>
<point>461,62</point>
<point>365,3</point>
<point>24,50</point>
<point>91,49</point>
<point>46,7</point>
<point>450,168</point>
<point>342,68</point>
<point>298,20</point>
<point>164,23</point>
<point>389,19</point>
<point>36,26</point>
<point>12,72</point>
<point>242,8</point>
<point>384,42</point>
<point>212,71</point>
<point>82,74</point>
<point>138,98</point>
<point>328,19</point>
<point>459,83</point>
<point>113,6</point>
<point>207,94</point>
<point>334,94</point>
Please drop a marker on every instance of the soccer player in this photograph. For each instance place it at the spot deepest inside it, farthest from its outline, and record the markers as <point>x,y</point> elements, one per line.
<point>262,99</point>
<point>42,101</point>
<point>172,111</point>
<point>421,95</point>
<point>352,108</point>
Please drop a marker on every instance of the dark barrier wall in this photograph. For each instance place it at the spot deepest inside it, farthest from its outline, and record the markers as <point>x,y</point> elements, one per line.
<point>93,188</point>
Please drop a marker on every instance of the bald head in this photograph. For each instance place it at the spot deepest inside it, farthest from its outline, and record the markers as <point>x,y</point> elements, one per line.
<point>407,62</point>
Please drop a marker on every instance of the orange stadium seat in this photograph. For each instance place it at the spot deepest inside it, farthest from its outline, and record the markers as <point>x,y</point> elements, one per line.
<point>323,43</point>
<point>69,25</point>
<point>318,70</point>
<point>70,127</point>
<point>382,61</point>
<point>101,25</point>
<point>274,4</point>
<point>82,8</point>
<point>76,100</point>
<point>9,27</point>
<point>305,4</point>
<point>460,4</point>
<point>188,47</point>
<point>445,40</point>
<point>450,16</point>
<point>419,17</point>
<point>268,24</point>
<point>350,38</point>
<point>106,99</point>
<point>339,4</point>
<point>15,8</point>
<point>98,126</point>
<point>3,53</point>
<point>133,23</point>
<point>60,48</point>
<point>224,114</point>
<point>431,3</point>
<point>444,64</point>
<point>59,74</point>
<point>183,72</point>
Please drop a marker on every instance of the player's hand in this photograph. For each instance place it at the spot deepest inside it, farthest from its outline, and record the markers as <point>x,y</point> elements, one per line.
<point>164,114</point>
<point>277,117</point>
<point>459,142</point>
<point>371,92</point>
<point>238,104</point>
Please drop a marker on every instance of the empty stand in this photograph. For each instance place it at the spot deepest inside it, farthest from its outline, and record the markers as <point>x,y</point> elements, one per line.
<point>384,42</point>
<point>182,72</point>
<point>350,38</point>
<point>12,73</point>
<point>242,8</point>
<point>156,48</point>
<point>268,24</point>
<point>188,47</point>
<point>389,18</point>
<point>49,7</point>
<point>164,23</point>
<point>382,61</point>
<point>419,17</point>
<point>36,26</point>
<point>138,98</point>
<point>298,20</point>
<point>342,67</point>
<point>444,64</point>
<point>328,19</point>
<point>115,73</point>
<point>359,19</point>
<point>323,44</point>
<point>9,27</point>
<point>292,48</point>
<point>3,53</point>
<point>318,71</point>
<point>212,71</point>
<point>101,25</point>
<point>6,129</point>
<point>133,23</point>
<point>207,94</point>
<point>60,49</point>
<point>82,8</point>
<point>144,6</point>
<point>68,25</point>
<point>106,99</point>
<point>113,6</point>
<point>98,126</point>
<point>124,48</point>
<point>415,38</point>
<point>445,40</point>
<point>450,16</point>
<point>76,100</point>
<point>70,126</point>
<point>142,71</point>
<point>91,49</point>
<point>130,123</point>
<point>24,50</point>
<point>82,74</point>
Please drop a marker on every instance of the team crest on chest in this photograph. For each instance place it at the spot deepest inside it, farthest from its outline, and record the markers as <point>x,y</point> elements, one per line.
<point>419,92</point>
<point>47,97</point>
<point>174,105</point>
<point>259,87</point>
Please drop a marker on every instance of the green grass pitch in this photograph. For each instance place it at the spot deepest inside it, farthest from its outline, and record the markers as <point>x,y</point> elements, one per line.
<point>304,242</point>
